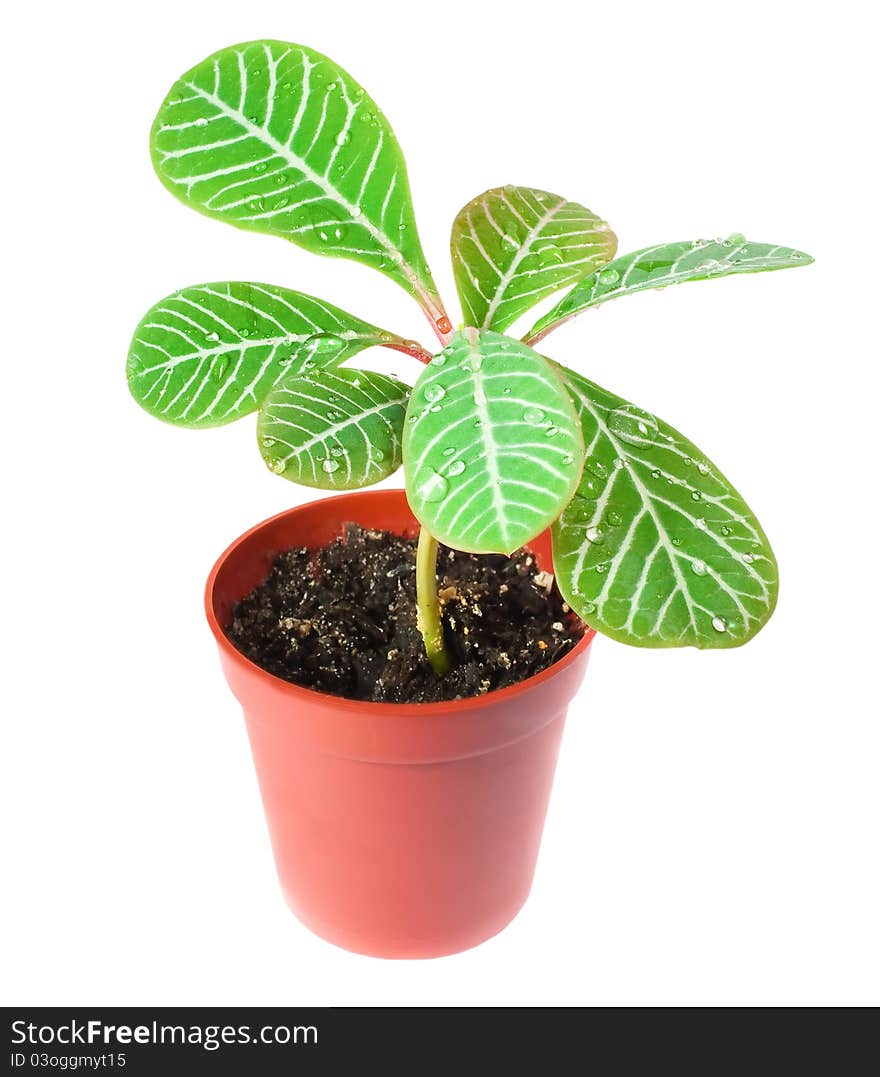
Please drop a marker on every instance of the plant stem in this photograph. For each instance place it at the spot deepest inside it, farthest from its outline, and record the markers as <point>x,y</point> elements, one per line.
<point>428,604</point>
<point>435,312</point>
<point>410,347</point>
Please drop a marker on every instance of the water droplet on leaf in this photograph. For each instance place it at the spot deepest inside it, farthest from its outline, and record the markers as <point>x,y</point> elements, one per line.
<point>435,391</point>
<point>533,416</point>
<point>330,466</point>
<point>324,344</point>
<point>456,467</point>
<point>719,624</point>
<point>431,485</point>
<point>548,254</point>
<point>328,225</point>
<point>589,488</point>
<point>633,425</point>
<point>699,568</point>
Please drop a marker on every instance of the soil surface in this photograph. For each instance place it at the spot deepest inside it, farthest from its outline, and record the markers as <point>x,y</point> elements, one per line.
<point>342,620</point>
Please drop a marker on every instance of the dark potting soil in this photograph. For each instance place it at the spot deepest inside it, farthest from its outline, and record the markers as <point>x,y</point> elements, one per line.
<point>342,620</point>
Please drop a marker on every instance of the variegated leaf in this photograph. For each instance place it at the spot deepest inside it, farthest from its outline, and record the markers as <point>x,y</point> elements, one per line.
<point>492,446</point>
<point>512,246</point>
<point>665,264</point>
<point>657,549</point>
<point>275,137</point>
<point>209,354</point>
<point>337,429</point>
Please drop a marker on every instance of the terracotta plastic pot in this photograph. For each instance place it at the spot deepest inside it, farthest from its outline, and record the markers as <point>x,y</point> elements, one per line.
<point>399,830</point>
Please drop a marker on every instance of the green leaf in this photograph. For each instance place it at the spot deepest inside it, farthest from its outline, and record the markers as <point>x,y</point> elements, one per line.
<point>657,549</point>
<point>492,447</point>
<point>665,264</point>
<point>512,246</point>
<point>335,429</point>
<point>209,354</point>
<point>276,138</point>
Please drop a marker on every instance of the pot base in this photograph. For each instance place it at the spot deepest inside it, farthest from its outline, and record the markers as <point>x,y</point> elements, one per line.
<point>414,952</point>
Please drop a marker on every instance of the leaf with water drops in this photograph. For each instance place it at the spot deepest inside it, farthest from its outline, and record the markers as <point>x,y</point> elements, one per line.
<point>274,137</point>
<point>492,445</point>
<point>338,429</point>
<point>656,548</point>
<point>512,246</point>
<point>665,264</point>
<point>209,354</point>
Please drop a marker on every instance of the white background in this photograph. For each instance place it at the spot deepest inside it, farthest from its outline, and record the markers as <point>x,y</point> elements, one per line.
<point>712,836</point>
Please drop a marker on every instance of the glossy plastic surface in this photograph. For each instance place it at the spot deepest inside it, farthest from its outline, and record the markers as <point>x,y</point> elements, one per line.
<point>399,830</point>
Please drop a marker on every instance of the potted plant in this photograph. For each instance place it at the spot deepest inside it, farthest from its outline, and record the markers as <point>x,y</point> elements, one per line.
<point>405,713</point>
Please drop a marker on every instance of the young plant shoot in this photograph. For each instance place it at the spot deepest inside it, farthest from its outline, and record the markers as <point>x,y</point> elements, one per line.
<point>651,543</point>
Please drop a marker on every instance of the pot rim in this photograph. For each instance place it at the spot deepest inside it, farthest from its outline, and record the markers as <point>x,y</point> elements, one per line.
<point>297,692</point>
